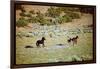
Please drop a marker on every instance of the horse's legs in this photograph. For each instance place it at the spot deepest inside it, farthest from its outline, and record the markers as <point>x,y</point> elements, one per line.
<point>37,44</point>
<point>43,45</point>
<point>76,41</point>
<point>73,43</point>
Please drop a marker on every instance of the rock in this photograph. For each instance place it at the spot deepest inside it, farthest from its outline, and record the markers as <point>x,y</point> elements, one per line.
<point>28,46</point>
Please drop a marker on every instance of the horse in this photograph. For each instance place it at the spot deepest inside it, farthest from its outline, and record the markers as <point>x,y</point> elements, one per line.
<point>74,40</point>
<point>38,42</point>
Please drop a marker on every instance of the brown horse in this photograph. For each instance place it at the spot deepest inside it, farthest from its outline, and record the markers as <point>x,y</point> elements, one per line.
<point>74,40</point>
<point>38,42</point>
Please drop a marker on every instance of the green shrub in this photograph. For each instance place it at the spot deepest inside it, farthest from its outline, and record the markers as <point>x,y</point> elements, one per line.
<point>28,15</point>
<point>40,17</point>
<point>64,19</point>
<point>21,22</point>
<point>33,20</point>
<point>32,12</point>
<point>67,18</point>
<point>74,15</point>
<point>22,14</point>
<point>48,22</point>
<point>22,9</point>
<point>53,12</point>
<point>25,14</point>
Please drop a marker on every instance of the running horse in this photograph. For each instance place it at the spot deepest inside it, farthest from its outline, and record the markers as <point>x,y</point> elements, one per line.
<point>38,42</point>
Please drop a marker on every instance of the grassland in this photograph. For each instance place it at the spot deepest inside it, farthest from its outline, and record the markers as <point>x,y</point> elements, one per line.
<point>53,53</point>
<point>28,31</point>
<point>50,53</point>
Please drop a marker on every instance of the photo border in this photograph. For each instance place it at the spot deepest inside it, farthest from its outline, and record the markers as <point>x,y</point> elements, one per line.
<point>13,34</point>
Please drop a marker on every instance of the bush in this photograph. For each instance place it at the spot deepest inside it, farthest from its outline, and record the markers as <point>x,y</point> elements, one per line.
<point>32,12</point>
<point>40,17</point>
<point>67,18</point>
<point>28,15</point>
<point>48,22</point>
<point>22,14</point>
<point>21,22</point>
<point>53,12</point>
<point>33,20</point>
<point>74,15</point>
<point>64,19</point>
<point>25,14</point>
<point>22,9</point>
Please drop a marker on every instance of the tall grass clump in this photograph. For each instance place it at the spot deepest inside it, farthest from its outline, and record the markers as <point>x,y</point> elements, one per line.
<point>21,22</point>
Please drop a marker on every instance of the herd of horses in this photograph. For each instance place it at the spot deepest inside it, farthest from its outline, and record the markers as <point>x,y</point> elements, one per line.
<point>70,40</point>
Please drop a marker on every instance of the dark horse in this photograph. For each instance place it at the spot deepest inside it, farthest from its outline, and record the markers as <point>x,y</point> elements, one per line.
<point>74,40</point>
<point>38,42</point>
